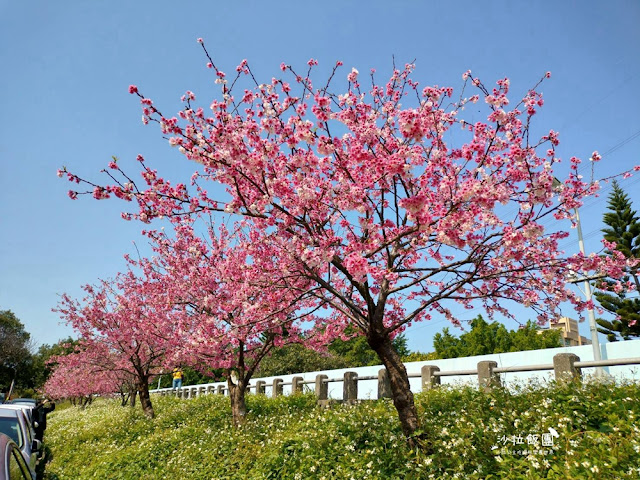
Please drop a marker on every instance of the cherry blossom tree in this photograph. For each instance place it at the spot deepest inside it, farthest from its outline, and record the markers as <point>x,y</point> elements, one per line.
<point>130,321</point>
<point>240,302</point>
<point>81,375</point>
<point>391,203</point>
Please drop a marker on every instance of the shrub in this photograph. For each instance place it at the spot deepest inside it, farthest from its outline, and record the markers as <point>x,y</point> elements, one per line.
<point>469,435</point>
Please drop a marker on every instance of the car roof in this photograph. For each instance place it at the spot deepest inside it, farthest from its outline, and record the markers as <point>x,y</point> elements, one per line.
<point>9,412</point>
<point>19,414</point>
<point>24,401</point>
<point>26,409</point>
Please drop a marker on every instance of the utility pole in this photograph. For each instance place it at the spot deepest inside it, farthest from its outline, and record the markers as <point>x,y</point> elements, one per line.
<point>593,328</point>
<point>595,342</point>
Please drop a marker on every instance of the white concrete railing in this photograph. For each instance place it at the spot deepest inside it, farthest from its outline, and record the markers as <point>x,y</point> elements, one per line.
<point>371,382</point>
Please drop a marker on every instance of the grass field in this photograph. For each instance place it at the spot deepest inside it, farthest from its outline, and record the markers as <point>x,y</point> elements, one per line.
<point>588,431</point>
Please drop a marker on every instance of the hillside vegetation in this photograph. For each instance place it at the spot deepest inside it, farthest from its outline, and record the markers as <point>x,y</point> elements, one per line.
<point>471,436</point>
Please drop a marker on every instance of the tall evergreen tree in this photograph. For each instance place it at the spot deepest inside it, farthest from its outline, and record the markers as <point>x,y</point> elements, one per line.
<point>623,229</point>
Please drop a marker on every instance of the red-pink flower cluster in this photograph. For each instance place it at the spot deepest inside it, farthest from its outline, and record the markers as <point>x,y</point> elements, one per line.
<point>389,202</point>
<point>363,202</point>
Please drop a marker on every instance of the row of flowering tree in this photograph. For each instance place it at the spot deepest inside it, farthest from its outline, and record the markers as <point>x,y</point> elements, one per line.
<point>126,326</point>
<point>83,373</point>
<point>381,204</point>
<point>239,302</point>
<point>221,301</point>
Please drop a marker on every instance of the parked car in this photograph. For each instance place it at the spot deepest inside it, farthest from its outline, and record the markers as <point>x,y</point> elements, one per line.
<point>15,425</point>
<point>12,463</point>
<point>27,409</point>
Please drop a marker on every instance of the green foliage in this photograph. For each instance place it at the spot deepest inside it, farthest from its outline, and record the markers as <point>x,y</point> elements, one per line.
<point>623,229</point>
<point>531,337</point>
<point>486,338</point>
<point>419,357</point>
<point>16,360</point>
<point>190,377</point>
<point>623,222</point>
<point>357,353</point>
<point>291,438</point>
<point>296,358</point>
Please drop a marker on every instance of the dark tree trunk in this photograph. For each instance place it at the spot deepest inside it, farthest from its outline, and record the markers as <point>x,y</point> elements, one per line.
<point>142,385</point>
<point>238,405</point>
<point>132,397</point>
<point>400,387</point>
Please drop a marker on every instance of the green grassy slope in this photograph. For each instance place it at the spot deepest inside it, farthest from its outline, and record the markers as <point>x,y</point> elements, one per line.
<point>471,436</point>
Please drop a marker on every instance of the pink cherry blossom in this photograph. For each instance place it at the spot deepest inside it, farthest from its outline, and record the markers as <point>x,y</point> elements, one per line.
<point>365,199</point>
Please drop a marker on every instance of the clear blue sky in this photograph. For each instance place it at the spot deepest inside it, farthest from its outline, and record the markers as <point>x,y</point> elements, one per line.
<point>66,67</point>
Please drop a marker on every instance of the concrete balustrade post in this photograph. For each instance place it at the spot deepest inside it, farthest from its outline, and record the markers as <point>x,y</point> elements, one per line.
<point>564,367</point>
<point>487,379</point>
<point>322,387</point>
<point>350,387</point>
<point>211,389</point>
<point>260,387</point>
<point>296,385</point>
<point>384,384</point>
<point>277,387</point>
<point>220,389</point>
<point>429,378</point>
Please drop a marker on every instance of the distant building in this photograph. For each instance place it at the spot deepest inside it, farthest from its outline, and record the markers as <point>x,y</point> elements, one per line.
<point>570,334</point>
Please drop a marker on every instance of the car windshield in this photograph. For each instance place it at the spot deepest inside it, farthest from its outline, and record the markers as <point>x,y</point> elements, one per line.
<point>11,428</point>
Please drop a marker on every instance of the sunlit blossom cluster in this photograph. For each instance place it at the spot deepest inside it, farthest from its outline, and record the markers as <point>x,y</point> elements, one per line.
<point>364,201</point>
